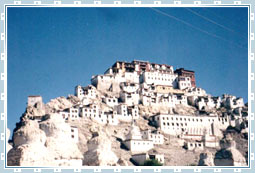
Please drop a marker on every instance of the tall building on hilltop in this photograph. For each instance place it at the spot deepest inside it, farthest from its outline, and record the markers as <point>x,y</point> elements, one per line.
<point>187,73</point>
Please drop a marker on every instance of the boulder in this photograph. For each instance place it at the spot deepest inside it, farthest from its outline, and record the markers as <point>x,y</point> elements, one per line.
<point>59,103</point>
<point>99,151</point>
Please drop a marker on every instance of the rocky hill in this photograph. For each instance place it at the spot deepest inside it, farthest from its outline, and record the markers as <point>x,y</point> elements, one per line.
<point>124,118</point>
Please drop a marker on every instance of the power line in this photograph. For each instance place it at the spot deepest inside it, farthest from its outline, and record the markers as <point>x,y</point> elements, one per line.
<point>221,17</point>
<point>220,25</point>
<point>194,27</point>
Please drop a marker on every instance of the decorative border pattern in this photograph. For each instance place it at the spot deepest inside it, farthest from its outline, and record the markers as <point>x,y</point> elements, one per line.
<point>124,3</point>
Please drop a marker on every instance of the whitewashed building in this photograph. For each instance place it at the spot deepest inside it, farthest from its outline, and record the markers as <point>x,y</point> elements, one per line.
<point>70,113</point>
<point>130,98</point>
<point>159,78</point>
<point>191,145</point>
<point>142,157</point>
<point>90,91</point>
<point>232,102</point>
<point>135,143</point>
<point>127,113</point>
<point>184,82</point>
<point>195,91</point>
<point>181,99</point>
<point>93,112</point>
<point>155,136</point>
<point>203,102</point>
<point>110,101</point>
<point>90,111</point>
<point>184,124</point>
<point>129,87</point>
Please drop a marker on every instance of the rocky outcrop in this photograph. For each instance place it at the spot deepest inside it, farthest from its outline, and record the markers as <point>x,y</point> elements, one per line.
<point>238,158</point>
<point>229,155</point>
<point>8,146</point>
<point>99,151</point>
<point>37,110</point>
<point>59,103</point>
<point>206,159</point>
<point>47,143</point>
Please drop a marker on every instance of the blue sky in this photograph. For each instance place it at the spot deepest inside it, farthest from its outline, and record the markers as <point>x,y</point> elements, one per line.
<point>51,50</point>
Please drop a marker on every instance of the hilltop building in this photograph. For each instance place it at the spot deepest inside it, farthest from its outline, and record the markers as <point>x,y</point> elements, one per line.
<point>126,89</point>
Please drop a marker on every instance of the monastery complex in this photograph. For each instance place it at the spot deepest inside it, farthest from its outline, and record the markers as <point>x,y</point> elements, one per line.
<point>119,95</point>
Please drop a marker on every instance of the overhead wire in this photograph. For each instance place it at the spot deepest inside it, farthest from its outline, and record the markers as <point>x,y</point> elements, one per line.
<point>197,28</point>
<point>212,21</point>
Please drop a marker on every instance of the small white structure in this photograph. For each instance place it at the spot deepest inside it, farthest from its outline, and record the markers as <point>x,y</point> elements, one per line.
<point>135,143</point>
<point>194,91</point>
<point>181,99</point>
<point>74,134</point>
<point>110,101</point>
<point>70,113</point>
<point>232,102</point>
<point>203,102</point>
<point>191,145</point>
<point>142,157</point>
<point>210,141</point>
<point>94,113</point>
<point>184,82</point>
<point>131,77</point>
<point>90,91</point>
<point>129,87</point>
<point>90,111</point>
<point>169,100</point>
<point>32,100</point>
<point>159,78</point>
<point>110,118</point>
<point>127,113</point>
<point>74,113</point>
<point>130,98</point>
<point>155,136</point>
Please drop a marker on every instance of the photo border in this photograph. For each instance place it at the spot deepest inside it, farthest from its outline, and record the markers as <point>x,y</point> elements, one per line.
<point>4,4</point>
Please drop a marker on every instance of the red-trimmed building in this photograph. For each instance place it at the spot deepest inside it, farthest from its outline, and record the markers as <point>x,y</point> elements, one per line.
<point>187,73</point>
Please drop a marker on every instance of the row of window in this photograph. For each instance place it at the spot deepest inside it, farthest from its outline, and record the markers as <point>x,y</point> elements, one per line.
<point>196,145</point>
<point>161,79</point>
<point>181,119</point>
<point>173,124</point>
<point>142,143</point>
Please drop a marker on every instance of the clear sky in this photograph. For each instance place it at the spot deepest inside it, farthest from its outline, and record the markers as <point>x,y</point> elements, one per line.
<point>51,50</point>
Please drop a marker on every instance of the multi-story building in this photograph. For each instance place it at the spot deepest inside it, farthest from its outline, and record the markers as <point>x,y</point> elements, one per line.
<point>187,73</point>
<point>189,125</point>
<point>154,135</point>
<point>135,143</point>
